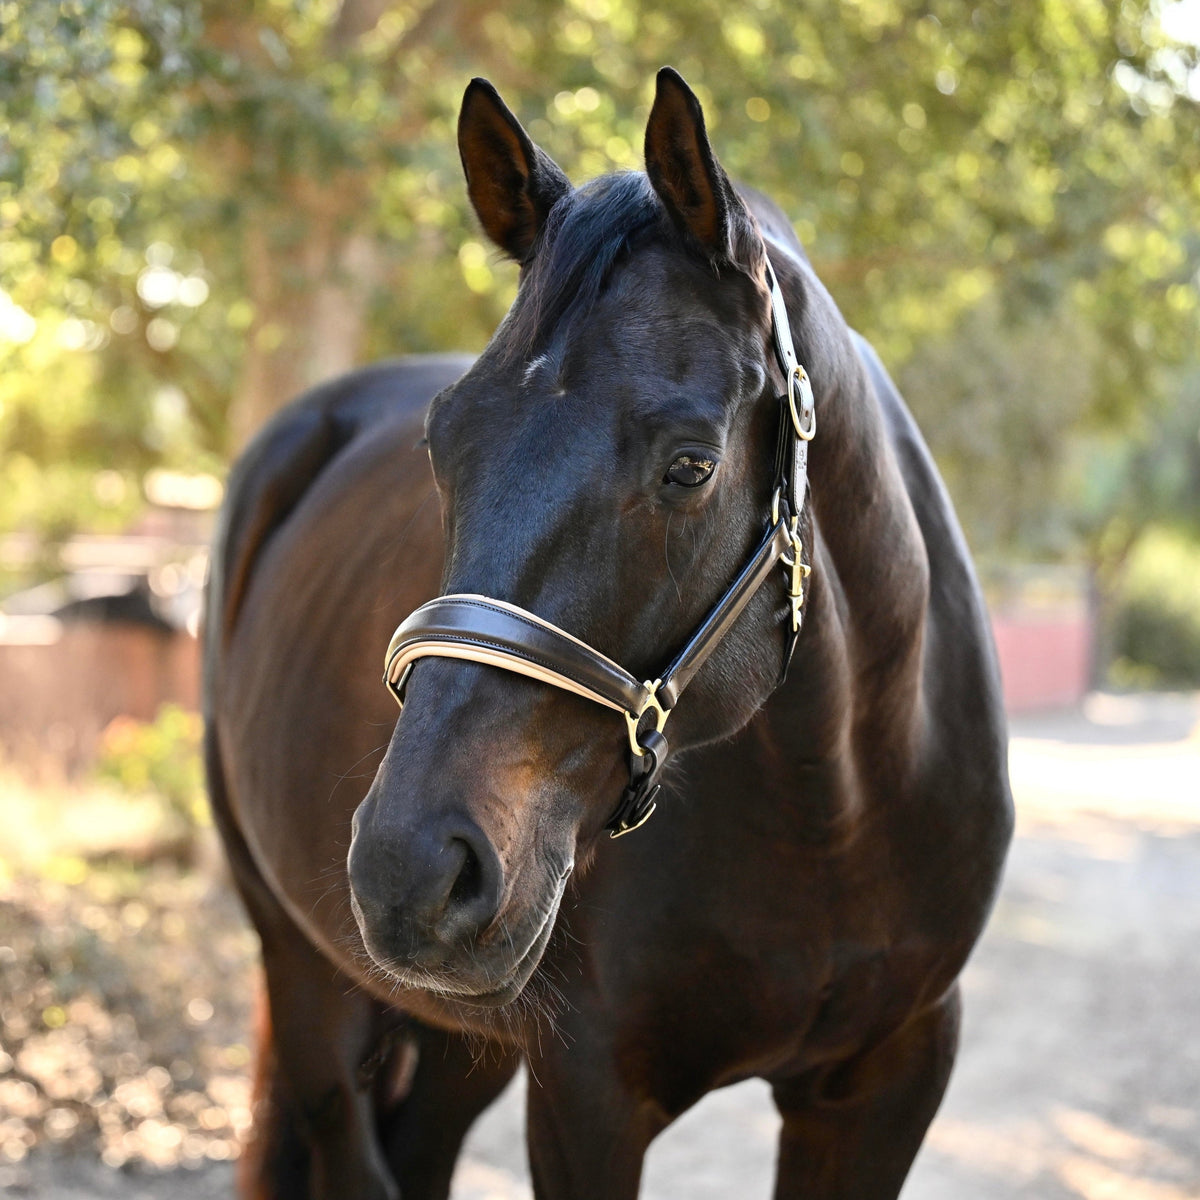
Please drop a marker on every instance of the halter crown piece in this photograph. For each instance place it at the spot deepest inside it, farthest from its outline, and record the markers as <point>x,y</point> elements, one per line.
<point>498,634</point>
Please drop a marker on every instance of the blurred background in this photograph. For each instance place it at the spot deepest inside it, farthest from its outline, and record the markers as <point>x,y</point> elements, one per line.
<point>208,206</point>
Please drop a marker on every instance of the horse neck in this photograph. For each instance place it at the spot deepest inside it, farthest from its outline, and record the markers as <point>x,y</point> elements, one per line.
<point>859,660</point>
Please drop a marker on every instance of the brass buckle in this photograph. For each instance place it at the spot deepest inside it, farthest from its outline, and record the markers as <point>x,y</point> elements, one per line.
<point>633,720</point>
<point>804,420</point>
<point>629,828</point>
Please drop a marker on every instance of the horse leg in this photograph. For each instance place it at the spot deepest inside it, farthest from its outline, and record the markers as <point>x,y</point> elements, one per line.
<point>274,1159</point>
<point>857,1136</point>
<point>314,1120</point>
<point>454,1080</point>
<point>587,1133</point>
<point>313,1136</point>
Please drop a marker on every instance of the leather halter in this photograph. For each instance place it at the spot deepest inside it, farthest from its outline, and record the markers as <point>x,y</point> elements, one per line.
<point>498,634</point>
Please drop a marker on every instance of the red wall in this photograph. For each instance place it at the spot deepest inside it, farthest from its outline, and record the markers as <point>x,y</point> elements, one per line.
<point>57,696</point>
<point>1045,659</point>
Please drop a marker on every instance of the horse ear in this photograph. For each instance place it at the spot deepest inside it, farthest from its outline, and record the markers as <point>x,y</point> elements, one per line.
<point>512,183</point>
<point>684,170</point>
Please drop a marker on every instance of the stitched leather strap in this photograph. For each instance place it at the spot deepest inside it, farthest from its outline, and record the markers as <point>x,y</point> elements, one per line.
<point>703,642</point>
<point>498,634</point>
<point>495,633</point>
<point>798,416</point>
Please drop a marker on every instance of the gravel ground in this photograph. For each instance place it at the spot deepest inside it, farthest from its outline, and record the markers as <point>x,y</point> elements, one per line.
<point>122,1071</point>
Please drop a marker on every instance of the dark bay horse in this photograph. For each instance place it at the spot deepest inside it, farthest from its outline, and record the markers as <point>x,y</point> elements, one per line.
<point>616,484</point>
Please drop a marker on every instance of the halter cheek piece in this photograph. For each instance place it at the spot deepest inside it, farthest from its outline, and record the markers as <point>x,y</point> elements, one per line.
<point>481,630</point>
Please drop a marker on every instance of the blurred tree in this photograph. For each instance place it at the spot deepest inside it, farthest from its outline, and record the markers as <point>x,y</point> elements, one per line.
<point>1124,482</point>
<point>206,208</point>
<point>996,396</point>
<point>206,205</point>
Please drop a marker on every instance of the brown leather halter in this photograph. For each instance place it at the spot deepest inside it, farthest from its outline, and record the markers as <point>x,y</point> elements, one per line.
<point>498,634</point>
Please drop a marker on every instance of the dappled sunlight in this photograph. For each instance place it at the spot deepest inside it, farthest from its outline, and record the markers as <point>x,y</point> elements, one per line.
<point>1074,1154</point>
<point>1091,1180</point>
<point>50,825</point>
<point>1103,1140</point>
<point>126,972</point>
<point>122,1032</point>
<point>1077,1076</point>
<point>1014,1152</point>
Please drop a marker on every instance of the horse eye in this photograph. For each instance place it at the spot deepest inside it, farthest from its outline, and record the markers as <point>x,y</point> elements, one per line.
<point>689,471</point>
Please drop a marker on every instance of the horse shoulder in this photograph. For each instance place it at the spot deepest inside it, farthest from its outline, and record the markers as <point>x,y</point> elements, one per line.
<point>322,461</point>
<point>284,461</point>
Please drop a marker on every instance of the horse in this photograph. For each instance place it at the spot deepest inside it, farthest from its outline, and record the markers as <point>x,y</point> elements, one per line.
<point>624,586</point>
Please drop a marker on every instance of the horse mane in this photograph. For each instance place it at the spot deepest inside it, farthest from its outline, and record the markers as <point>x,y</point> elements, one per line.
<point>586,234</point>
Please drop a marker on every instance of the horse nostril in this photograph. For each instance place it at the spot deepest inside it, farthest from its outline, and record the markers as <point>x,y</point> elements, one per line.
<point>437,887</point>
<point>470,878</point>
<point>474,896</point>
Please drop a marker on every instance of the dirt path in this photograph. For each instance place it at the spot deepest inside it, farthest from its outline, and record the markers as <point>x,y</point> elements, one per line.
<point>1079,1077</point>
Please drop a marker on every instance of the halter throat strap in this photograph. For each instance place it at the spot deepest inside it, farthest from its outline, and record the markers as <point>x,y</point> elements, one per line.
<point>495,633</point>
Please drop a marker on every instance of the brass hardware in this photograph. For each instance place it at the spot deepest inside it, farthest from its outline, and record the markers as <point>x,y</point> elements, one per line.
<point>798,572</point>
<point>624,829</point>
<point>633,720</point>
<point>804,420</point>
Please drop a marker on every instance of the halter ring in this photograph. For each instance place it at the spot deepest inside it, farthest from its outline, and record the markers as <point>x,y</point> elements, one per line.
<point>653,704</point>
<point>804,420</point>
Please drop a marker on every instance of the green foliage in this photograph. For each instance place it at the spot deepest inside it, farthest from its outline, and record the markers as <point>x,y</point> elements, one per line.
<point>207,205</point>
<point>1147,473</point>
<point>1156,624</point>
<point>993,399</point>
<point>161,757</point>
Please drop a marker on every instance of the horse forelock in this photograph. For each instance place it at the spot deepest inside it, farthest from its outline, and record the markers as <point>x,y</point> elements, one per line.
<point>586,234</point>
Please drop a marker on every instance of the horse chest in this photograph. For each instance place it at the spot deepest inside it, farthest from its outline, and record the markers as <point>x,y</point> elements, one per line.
<point>690,970</point>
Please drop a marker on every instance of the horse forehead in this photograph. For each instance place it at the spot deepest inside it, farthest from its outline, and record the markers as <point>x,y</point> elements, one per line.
<point>662,319</point>
<point>661,311</point>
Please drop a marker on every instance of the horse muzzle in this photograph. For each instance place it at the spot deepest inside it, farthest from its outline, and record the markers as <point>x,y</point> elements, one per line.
<point>436,913</point>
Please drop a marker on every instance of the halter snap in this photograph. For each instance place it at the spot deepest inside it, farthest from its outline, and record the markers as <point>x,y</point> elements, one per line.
<point>798,572</point>
<point>797,569</point>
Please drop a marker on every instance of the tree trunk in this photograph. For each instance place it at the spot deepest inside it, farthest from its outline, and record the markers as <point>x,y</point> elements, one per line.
<point>311,270</point>
<point>311,298</point>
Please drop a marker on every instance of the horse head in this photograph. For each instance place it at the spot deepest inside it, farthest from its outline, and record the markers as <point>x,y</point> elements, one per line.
<point>607,464</point>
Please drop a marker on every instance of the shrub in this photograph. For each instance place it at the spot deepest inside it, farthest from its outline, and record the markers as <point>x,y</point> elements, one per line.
<point>1156,619</point>
<point>162,756</point>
